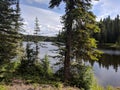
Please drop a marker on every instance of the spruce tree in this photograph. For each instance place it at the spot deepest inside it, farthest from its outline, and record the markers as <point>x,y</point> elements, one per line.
<point>79,23</point>
<point>10,24</point>
<point>36,33</point>
<point>110,30</point>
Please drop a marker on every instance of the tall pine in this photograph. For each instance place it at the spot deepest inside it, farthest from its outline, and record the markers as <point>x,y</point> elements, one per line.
<point>36,41</point>
<point>10,37</point>
<point>79,24</point>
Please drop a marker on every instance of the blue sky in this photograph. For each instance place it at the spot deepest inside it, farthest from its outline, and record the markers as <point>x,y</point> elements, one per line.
<point>49,19</point>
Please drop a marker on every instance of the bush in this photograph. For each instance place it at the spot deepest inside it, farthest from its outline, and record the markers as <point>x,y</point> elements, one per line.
<point>2,87</point>
<point>7,72</point>
<point>47,71</point>
<point>96,86</point>
<point>82,76</point>
<point>26,69</point>
<point>35,72</point>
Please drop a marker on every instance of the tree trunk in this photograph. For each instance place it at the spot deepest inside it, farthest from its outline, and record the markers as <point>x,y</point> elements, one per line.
<point>67,51</point>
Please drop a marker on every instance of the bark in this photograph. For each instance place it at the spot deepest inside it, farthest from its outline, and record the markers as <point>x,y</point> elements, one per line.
<point>68,52</point>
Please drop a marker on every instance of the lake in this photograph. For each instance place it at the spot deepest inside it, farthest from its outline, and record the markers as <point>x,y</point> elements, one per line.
<point>106,70</point>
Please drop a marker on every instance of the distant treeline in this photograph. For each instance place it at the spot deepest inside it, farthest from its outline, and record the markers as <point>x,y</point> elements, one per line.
<point>110,30</point>
<point>39,38</point>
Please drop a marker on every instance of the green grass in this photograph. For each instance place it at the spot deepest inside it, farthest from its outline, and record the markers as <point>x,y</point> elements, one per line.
<point>3,87</point>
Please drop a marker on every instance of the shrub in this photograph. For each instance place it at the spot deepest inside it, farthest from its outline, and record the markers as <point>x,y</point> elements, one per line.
<point>2,87</point>
<point>82,76</point>
<point>47,71</point>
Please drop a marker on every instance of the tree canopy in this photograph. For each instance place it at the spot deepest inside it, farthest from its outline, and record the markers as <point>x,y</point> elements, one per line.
<point>79,24</point>
<point>10,25</point>
<point>110,30</point>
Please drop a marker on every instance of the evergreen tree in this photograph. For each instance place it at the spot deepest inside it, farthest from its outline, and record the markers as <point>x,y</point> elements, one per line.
<point>110,30</point>
<point>79,23</point>
<point>36,33</point>
<point>10,24</point>
<point>30,54</point>
<point>46,67</point>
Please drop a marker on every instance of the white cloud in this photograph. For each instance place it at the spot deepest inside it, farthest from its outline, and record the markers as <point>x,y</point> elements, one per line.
<point>49,20</point>
<point>39,1</point>
<point>94,2</point>
<point>103,8</point>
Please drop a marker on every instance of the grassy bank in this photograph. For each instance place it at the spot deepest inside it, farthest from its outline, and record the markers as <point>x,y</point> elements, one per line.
<point>112,46</point>
<point>14,79</point>
<point>36,87</point>
<point>49,87</point>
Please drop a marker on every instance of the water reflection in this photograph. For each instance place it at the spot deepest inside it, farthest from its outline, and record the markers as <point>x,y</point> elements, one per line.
<point>111,52</point>
<point>107,69</point>
<point>107,77</point>
<point>107,61</point>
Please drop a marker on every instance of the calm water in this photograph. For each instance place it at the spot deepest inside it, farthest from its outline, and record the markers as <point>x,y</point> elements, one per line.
<point>107,69</point>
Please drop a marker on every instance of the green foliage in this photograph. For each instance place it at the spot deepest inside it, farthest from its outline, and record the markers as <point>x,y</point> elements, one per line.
<point>8,71</point>
<point>39,38</point>
<point>84,46</point>
<point>10,37</point>
<point>47,71</point>
<point>36,33</point>
<point>37,28</point>
<point>117,44</point>
<point>30,54</point>
<point>35,72</point>
<point>97,87</point>
<point>82,76</point>
<point>110,30</point>
<point>109,88</point>
<point>2,87</point>
<point>27,65</point>
<point>58,84</point>
<point>59,75</point>
<point>79,25</point>
<point>26,69</point>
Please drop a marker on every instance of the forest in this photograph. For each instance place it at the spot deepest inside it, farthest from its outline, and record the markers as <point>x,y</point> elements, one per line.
<point>22,66</point>
<point>110,30</point>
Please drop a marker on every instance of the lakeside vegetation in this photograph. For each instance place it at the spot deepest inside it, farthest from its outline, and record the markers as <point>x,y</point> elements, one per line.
<point>109,46</point>
<point>19,66</point>
<point>113,46</point>
<point>39,38</point>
